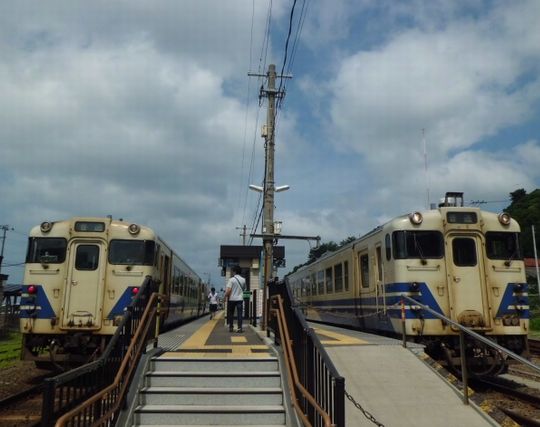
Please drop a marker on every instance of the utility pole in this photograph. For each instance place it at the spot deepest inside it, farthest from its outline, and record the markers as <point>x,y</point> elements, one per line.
<point>268,208</point>
<point>535,260</point>
<point>269,186</point>
<point>243,234</point>
<point>4,228</point>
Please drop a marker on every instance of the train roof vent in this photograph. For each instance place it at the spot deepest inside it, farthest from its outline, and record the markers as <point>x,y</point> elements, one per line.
<point>452,198</point>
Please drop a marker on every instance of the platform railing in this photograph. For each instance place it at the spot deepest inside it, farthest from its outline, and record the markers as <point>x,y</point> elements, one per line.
<point>108,376</point>
<point>462,332</point>
<point>317,390</point>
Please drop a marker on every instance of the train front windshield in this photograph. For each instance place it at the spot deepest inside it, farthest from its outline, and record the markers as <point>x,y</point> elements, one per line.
<point>417,244</point>
<point>46,250</point>
<point>502,245</point>
<point>132,252</point>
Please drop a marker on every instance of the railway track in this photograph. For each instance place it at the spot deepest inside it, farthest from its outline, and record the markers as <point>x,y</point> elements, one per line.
<point>534,347</point>
<point>22,409</point>
<point>522,406</point>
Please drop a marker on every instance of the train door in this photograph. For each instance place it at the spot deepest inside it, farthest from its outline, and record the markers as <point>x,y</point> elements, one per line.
<point>362,287</point>
<point>379,282</point>
<point>466,280</point>
<point>84,287</point>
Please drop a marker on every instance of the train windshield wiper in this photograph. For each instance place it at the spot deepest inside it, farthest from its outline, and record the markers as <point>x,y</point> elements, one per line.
<point>418,248</point>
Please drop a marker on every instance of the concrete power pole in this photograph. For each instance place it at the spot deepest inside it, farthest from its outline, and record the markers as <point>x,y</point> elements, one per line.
<point>4,228</point>
<point>268,208</point>
<point>243,234</point>
<point>269,186</point>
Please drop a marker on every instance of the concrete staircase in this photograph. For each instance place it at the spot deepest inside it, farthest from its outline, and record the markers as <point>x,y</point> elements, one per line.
<point>195,391</point>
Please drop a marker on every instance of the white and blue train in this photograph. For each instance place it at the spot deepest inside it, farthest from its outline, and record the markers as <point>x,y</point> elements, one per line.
<point>82,273</point>
<point>462,262</point>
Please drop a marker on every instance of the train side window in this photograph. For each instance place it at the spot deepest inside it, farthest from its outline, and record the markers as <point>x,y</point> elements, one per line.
<point>388,246</point>
<point>313,284</point>
<point>87,257</point>
<point>329,280</point>
<point>364,270</point>
<point>338,277</point>
<point>320,282</point>
<point>306,287</point>
<point>346,275</point>
<point>464,252</point>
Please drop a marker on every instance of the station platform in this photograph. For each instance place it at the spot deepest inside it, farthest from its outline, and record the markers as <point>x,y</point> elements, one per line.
<point>394,384</point>
<point>388,381</point>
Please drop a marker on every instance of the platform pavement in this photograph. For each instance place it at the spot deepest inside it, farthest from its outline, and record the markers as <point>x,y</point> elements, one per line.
<point>392,384</point>
<point>211,338</point>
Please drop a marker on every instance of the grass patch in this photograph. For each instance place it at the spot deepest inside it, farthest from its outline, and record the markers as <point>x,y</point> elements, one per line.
<point>10,349</point>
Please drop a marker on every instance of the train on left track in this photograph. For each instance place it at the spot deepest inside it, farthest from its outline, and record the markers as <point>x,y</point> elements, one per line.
<point>80,275</point>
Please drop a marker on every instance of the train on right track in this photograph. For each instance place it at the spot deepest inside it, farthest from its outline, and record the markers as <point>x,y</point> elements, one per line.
<point>462,262</point>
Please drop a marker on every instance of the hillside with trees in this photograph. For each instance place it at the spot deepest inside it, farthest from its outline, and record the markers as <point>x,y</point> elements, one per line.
<point>525,209</point>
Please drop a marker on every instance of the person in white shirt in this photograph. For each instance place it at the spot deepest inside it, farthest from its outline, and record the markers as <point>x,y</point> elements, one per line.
<point>213,301</point>
<point>234,294</point>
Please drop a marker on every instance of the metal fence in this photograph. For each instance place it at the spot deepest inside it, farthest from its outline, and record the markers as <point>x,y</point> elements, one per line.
<point>67,391</point>
<point>317,374</point>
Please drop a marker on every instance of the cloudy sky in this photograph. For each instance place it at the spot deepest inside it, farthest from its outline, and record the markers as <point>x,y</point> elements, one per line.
<point>143,110</point>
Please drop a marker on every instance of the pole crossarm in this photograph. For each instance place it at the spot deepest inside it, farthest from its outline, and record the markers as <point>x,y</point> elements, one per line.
<point>284,236</point>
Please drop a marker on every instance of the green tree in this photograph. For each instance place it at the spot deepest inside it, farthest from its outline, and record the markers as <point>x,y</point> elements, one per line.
<point>525,209</point>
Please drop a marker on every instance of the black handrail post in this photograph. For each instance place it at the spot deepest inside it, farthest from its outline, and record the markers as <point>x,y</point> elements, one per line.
<point>47,408</point>
<point>339,402</point>
<point>464,376</point>
<point>403,328</point>
<point>156,329</point>
<point>255,308</point>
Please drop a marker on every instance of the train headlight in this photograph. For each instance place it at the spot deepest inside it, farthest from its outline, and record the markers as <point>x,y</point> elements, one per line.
<point>504,218</point>
<point>32,290</point>
<point>515,321</point>
<point>134,229</point>
<point>135,291</point>
<point>46,226</point>
<point>416,218</point>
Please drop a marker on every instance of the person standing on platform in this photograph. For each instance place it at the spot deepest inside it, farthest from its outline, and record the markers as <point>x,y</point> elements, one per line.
<point>213,300</point>
<point>234,295</point>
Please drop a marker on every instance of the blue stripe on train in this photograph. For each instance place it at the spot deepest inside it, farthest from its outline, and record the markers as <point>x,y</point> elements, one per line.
<point>509,300</point>
<point>369,304</point>
<point>124,300</point>
<point>36,306</point>
<point>424,296</point>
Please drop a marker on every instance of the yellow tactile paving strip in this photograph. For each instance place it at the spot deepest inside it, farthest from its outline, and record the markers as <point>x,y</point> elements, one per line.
<point>196,345</point>
<point>338,339</point>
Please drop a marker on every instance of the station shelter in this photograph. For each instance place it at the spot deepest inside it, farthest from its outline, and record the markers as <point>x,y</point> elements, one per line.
<point>251,261</point>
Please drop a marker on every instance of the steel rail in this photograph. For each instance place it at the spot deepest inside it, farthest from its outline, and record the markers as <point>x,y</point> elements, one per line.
<point>134,350</point>
<point>292,377</point>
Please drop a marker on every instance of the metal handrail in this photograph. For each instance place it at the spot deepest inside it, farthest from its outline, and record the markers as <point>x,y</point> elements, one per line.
<point>474,334</point>
<point>292,377</point>
<point>118,388</point>
<point>68,390</point>
<point>462,330</point>
<point>316,372</point>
